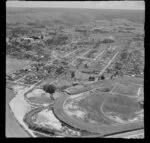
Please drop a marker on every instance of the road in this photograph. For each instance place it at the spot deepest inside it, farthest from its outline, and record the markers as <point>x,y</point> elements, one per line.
<point>99,55</point>
<point>28,120</point>
<point>101,72</point>
<point>128,134</point>
<point>88,50</point>
<point>78,56</point>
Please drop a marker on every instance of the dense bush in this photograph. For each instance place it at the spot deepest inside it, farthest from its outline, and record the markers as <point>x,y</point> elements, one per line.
<point>91,78</point>
<point>102,77</point>
<point>72,74</point>
<point>49,88</point>
<point>108,41</point>
<point>60,70</point>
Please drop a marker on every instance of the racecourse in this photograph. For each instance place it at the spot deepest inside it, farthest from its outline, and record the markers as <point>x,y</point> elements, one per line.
<point>104,130</point>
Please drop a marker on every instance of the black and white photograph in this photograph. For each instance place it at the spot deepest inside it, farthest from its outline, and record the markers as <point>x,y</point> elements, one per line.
<point>75,69</point>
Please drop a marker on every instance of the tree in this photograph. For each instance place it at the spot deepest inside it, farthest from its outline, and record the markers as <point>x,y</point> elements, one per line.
<point>91,78</point>
<point>59,71</point>
<point>123,55</point>
<point>49,88</point>
<point>72,74</point>
<point>106,89</point>
<point>136,68</point>
<point>118,66</point>
<point>85,66</point>
<point>108,41</point>
<point>102,77</point>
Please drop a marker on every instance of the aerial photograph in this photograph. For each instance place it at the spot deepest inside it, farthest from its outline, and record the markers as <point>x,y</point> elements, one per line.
<point>75,69</point>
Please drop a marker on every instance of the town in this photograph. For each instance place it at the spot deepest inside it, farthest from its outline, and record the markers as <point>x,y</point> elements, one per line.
<point>82,80</point>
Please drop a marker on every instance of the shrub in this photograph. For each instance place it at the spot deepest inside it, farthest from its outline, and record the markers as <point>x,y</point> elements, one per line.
<point>91,78</point>
<point>49,88</point>
<point>72,74</point>
<point>102,77</point>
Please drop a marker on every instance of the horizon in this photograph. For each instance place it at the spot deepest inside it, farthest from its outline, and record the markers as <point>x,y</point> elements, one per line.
<point>72,8</point>
<point>112,5</point>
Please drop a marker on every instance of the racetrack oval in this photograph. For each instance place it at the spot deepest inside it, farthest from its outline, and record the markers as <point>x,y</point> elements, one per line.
<point>104,130</point>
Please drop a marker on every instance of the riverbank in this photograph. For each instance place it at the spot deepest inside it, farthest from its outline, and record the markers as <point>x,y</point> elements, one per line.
<point>12,128</point>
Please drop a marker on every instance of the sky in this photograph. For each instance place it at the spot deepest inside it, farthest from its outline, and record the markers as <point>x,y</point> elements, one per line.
<point>131,5</point>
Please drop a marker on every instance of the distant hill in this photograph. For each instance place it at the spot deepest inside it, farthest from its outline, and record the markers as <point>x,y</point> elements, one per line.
<point>70,16</point>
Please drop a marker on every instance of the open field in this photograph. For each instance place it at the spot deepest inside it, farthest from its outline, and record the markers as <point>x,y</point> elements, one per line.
<point>127,89</point>
<point>38,97</point>
<point>92,105</point>
<point>15,64</point>
<point>121,106</point>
